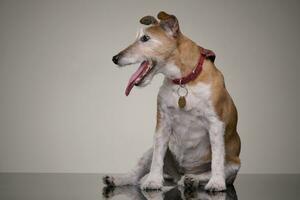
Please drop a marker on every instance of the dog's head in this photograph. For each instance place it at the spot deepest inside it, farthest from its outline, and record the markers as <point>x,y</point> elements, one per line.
<point>152,47</point>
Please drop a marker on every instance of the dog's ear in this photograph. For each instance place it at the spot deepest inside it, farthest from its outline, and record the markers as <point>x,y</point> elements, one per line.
<point>163,15</point>
<point>147,20</point>
<point>169,23</point>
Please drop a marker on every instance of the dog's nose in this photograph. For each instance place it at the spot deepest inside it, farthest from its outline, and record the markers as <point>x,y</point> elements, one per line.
<point>116,58</point>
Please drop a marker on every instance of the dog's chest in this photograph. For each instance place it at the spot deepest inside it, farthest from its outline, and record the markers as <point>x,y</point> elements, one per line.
<point>189,125</point>
<point>197,110</point>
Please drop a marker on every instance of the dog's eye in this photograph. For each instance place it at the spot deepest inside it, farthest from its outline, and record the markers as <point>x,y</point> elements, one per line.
<point>145,38</point>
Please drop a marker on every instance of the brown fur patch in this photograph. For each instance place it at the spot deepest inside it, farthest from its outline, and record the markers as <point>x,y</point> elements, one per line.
<point>163,15</point>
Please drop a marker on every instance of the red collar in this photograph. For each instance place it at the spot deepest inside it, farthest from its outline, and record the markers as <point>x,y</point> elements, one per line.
<point>204,53</point>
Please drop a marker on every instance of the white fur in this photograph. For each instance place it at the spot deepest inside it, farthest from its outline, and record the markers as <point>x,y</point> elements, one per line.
<point>189,139</point>
<point>139,33</point>
<point>216,135</point>
<point>170,70</point>
<point>130,59</point>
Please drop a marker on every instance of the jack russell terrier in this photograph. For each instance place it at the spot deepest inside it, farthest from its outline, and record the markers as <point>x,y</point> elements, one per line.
<point>196,141</point>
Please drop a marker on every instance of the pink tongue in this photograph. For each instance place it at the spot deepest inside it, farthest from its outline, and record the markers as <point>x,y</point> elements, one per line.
<point>142,68</point>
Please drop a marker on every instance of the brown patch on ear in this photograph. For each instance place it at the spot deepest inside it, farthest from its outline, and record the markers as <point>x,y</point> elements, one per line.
<point>147,20</point>
<point>169,23</point>
<point>163,15</point>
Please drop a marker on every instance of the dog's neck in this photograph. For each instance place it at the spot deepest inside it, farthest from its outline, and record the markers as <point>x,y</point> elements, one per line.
<point>183,59</point>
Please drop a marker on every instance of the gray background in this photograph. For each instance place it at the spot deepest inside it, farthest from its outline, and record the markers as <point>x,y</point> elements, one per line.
<point>62,102</point>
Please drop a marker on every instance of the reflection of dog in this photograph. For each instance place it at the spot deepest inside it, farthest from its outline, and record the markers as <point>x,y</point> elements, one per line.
<point>195,137</point>
<point>172,193</point>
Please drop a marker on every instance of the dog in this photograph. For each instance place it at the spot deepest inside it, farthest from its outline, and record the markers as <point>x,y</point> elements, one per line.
<point>196,140</point>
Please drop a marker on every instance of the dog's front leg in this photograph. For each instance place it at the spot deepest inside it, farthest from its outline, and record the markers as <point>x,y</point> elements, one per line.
<point>216,136</point>
<point>161,139</point>
<point>155,177</point>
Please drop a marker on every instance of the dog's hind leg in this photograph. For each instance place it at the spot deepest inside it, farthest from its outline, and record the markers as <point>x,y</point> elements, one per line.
<point>170,168</point>
<point>132,177</point>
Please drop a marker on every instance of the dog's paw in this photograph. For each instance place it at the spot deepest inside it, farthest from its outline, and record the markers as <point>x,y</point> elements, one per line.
<point>108,191</point>
<point>108,180</point>
<point>216,184</point>
<point>187,181</point>
<point>152,183</point>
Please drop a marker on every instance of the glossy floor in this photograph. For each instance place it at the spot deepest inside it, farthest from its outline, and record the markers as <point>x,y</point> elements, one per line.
<point>90,187</point>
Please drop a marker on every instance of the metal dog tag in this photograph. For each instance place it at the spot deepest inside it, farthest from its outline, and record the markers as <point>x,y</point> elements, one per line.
<point>181,102</point>
<point>182,93</point>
